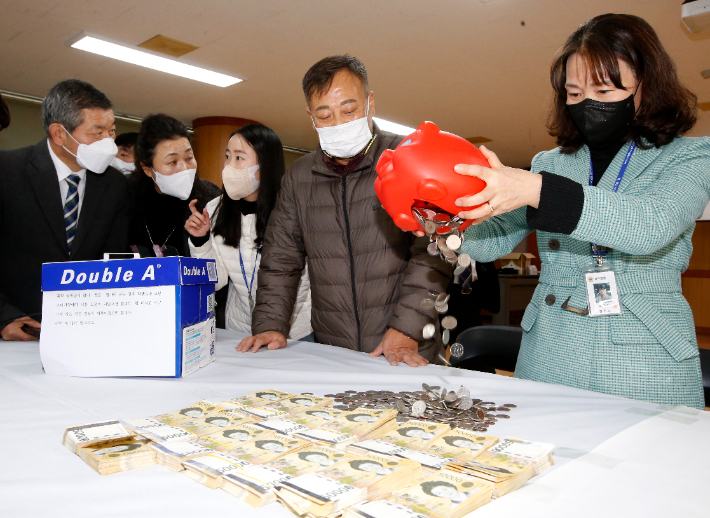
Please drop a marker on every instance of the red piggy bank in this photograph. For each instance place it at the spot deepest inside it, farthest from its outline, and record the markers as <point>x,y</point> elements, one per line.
<point>420,172</point>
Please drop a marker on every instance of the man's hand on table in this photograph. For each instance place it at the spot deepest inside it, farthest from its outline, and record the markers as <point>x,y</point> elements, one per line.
<point>398,347</point>
<point>13,331</point>
<point>271,339</point>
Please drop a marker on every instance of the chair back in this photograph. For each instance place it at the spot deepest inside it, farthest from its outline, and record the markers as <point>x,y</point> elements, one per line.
<point>486,348</point>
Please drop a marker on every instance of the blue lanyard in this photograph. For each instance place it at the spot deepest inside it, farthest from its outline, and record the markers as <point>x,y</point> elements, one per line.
<point>244,274</point>
<point>600,253</point>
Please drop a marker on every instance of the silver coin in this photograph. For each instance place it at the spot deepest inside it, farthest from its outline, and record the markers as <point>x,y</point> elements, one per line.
<point>429,227</point>
<point>466,403</point>
<point>428,331</point>
<point>457,350</point>
<point>441,243</point>
<point>445,336</point>
<point>451,259</point>
<point>400,406</point>
<point>432,249</point>
<point>451,397</point>
<point>427,303</point>
<point>462,391</point>
<point>465,260</point>
<point>418,408</point>
<point>453,242</point>
<point>426,387</point>
<point>442,299</point>
<point>449,322</point>
<point>459,270</point>
<point>442,309</point>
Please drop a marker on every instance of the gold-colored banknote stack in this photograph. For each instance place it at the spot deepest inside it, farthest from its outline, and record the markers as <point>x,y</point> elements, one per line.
<point>505,476</point>
<point>430,462</point>
<point>364,423</point>
<point>172,454</point>
<point>381,475</point>
<point>317,495</point>
<point>309,460</point>
<point>442,495</point>
<point>255,485</point>
<point>209,470</point>
<point>117,456</point>
<point>267,449</point>
<point>83,435</point>
<point>524,452</point>
<point>297,404</point>
<point>461,445</point>
<point>329,438</point>
<point>317,417</point>
<point>261,398</point>
<point>233,437</point>
<point>415,434</point>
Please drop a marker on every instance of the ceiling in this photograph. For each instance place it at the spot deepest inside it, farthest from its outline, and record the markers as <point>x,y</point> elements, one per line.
<point>472,67</point>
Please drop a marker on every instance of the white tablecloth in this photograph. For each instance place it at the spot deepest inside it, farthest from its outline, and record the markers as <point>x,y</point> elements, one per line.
<point>615,457</point>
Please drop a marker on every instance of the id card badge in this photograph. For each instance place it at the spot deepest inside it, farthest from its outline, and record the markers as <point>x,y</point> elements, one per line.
<point>602,292</point>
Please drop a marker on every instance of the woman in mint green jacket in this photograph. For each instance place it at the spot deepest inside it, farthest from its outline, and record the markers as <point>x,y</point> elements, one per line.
<point>626,180</point>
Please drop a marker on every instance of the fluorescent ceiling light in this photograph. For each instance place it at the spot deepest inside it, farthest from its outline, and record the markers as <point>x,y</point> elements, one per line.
<point>146,58</point>
<point>393,127</point>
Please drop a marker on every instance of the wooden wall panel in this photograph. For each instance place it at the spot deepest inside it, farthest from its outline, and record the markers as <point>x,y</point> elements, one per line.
<point>696,291</point>
<point>700,260</point>
<point>209,141</point>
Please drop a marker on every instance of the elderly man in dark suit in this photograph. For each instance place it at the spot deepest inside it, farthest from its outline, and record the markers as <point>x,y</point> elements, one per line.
<point>59,201</point>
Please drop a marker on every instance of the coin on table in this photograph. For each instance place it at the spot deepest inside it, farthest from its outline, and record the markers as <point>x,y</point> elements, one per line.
<point>432,249</point>
<point>428,331</point>
<point>426,387</point>
<point>457,351</point>
<point>466,403</point>
<point>463,391</point>
<point>418,408</point>
<point>453,242</point>
<point>451,397</point>
<point>449,322</point>
<point>400,406</point>
<point>504,416</point>
<point>427,303</point>
<point>510,405</point>
<point>480,414</point>
<point>445,337</point>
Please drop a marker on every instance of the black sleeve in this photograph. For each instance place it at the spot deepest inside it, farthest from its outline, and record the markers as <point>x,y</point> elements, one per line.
<point>117,240</point>
<point>561,204</point>
<point>199,241</point>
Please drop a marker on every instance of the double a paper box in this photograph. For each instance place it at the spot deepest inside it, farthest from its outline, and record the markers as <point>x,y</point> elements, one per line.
<point>133,317</point>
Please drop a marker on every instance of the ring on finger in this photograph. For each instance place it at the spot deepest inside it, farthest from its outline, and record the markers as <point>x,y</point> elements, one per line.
<point>491,206</point>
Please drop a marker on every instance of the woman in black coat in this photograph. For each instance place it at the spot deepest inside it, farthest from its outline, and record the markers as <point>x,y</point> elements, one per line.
<point>163,185</point>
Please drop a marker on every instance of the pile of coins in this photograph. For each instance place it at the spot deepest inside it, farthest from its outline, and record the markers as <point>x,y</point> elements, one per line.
<point>445,242</point>
<point>432,403</point>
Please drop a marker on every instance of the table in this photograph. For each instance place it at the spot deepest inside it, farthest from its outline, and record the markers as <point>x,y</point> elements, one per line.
<point>516,291</point>
<point>615,456</point>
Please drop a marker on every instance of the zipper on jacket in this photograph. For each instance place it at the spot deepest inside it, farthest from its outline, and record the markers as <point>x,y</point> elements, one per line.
<point>352,261</point>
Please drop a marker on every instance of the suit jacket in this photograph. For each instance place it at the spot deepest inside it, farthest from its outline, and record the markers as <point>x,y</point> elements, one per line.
<point>650,351</point>
<point>32,225</point>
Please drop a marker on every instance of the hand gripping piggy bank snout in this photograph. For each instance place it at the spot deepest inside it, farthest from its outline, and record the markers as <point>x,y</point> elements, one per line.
<point>420,172</point>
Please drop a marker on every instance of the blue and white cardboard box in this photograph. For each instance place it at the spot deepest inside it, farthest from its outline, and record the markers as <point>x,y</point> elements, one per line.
<point>132,317</point>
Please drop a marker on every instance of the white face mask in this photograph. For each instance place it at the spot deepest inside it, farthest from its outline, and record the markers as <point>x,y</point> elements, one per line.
<point>122,165</point>
<point>240,183</point>
<point>178,185</point>
<point>345,140</point>
<point>94,157</point>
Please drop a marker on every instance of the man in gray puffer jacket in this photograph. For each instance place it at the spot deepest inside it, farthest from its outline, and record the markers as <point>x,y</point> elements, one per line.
<point>368,277</point>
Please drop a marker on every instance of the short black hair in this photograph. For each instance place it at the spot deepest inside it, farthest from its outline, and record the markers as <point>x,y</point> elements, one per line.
<point>154,130</point>
<point>66,100</point>
<point>320,76</point>
<point>127,139</point>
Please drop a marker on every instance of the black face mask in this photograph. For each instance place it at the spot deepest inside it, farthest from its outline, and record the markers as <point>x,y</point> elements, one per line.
<point>602,123</point>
